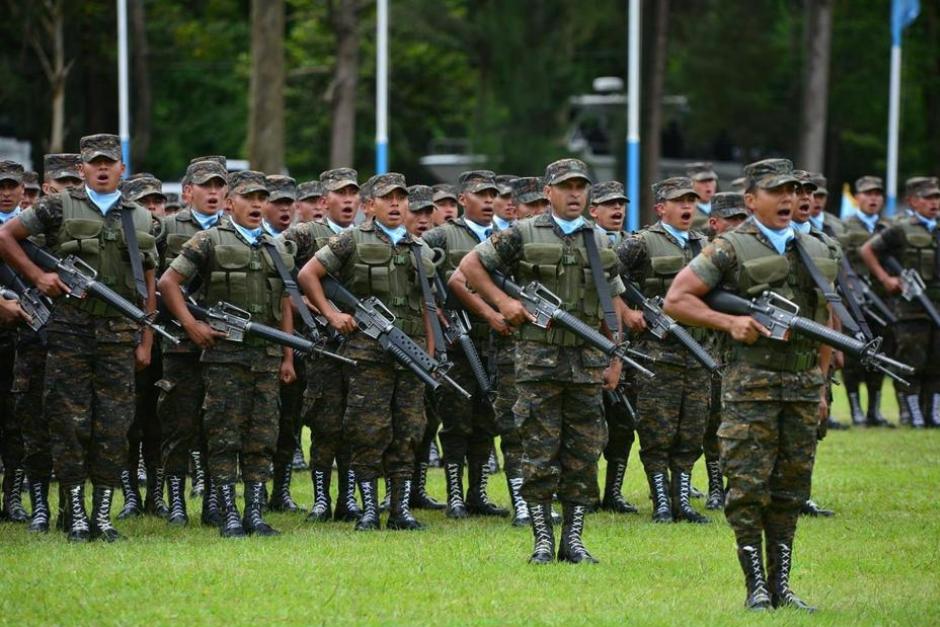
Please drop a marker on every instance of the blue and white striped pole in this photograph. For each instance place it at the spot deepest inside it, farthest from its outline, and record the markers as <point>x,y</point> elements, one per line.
<point>381,88</point>
<point>124,115</point>
<point>903,12</point>
<point>633,115</point>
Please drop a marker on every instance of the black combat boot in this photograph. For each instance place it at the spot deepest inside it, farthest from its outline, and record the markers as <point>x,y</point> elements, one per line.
<point>321,510</point>
<point>520,509</point>
<point>281,500</point>
<point>154,502</point>
<point>198,474</point>
<point>659,494</point>
<point>230,525</point>
<point>752,563</point>
<point>478,503</point>
<point>212,513</point>
<point>101,527</point>
<point>613,490</point>
<point>400,516</point>
<point>682,507</point>
<point>855,407</point>
<point>716,488</point>
<point>571,548</point>
<point>420,499</point>
<point>904,415</point>
<point>875,418</point>
<point>39,495</point>
<point>434,456</point>
<point>933,412</point>
<point>76,525</point>
<point>298,462</point>
<point>253,521</point>
<point>912,401</point>
<point>176,489</point>
<point>543,552</point>
<point>492,464</point>
<point>387,499</point>
<point>810,508</point>
<point>13,509</point>
<point>779,562</point>
<point>456,508</point>
<point>347,509</point>
<point>369,520</point>
<point>132,501</point>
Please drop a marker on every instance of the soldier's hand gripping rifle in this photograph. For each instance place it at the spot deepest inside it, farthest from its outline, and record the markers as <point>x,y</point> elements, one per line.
<point>661,325</point>
<point>861,292</point>
<point>913,287</point>
<point>82,281</point>
<point>782,317</point>
<point>34,304</point>
<point>377,322</point>
<point>547,310</point>
<point>456,329</point>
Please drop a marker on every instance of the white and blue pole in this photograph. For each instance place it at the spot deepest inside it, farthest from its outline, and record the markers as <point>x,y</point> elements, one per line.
<point>633,114</point>
<point>124,116</point>
<point>381,88</point>
<point>903,12</point>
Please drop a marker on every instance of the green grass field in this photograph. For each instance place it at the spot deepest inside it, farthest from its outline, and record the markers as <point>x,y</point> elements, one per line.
<point>876,562</point>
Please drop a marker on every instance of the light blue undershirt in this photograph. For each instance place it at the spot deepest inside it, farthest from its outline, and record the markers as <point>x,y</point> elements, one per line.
<point>705,208</point>
<point>501,224</point>
<point>870,222</point>
<point>337,228</point>
<point>778,237</point>
<point>568,226</point>
<point>395,234</point>
<point>250,236</point>
<point>104,202</point>
<point>6,217</point>
<point>482,232</point>
<point>206,221</point>
<point>682,236</point>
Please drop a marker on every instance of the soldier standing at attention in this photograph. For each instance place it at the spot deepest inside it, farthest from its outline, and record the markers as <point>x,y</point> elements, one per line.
<point>311,204</point>
<point>529,196</point>
<point>705,184</point>
<point>31,189</point>
<point>445,203</point>
<point>504,209</point>
<point>92,350</point>
<point>558,378</point>
<point>773,393</point>
<point>234,263</point>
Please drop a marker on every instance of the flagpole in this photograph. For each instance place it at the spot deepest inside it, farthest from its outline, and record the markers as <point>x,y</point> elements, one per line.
<point>381,88</point>
<point>633,114</point>
<point>894,115</point>
<point>124,115</point>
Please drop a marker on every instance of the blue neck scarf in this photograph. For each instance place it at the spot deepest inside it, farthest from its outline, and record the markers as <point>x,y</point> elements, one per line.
<point>104,202</point>
<point>500,224</point>
<point>704,207</point>
<point>267,226</point>
<point>482,232</point>
<point>930,224</point>
<point>818,221</point>
<point>207,221</point>
<point>870,222</point>
<point>612,236</point>
<point>395,234</point>
<point>337,228</point>
<point>568,226</point>
<point>6,217</point>
<point>802,227</point>
<point>778,237</point>
<point>251,236</point>
<point>682,236</point>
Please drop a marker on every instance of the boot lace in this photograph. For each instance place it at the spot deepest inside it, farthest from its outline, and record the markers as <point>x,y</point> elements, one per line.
<point>319,504</point>
<point>79,520</point>
<point>659,487</point>
<point>351,492</point>
<point>40,504</point>
<point>406,499</point>
<point>913,406</point>
<point>757,573</point>
<point>543,536</point>
<point>519,504</point>
<point>454,496</point>
<point>103,511</point>
<point>176,496</point>
<point>575,544</point>
<point>368,499</point>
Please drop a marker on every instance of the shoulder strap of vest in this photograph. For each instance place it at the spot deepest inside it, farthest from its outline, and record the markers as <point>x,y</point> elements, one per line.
<point>600,285</point>
<point>826,288</point>
<point>290,285</point>
<point>440,348</point>
<point>133,250</point>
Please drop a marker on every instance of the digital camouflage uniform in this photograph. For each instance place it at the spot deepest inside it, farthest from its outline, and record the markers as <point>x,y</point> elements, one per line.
<point>702,171</point>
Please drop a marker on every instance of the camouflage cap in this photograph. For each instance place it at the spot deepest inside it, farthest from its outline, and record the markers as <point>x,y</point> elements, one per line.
<point>309,189</point>
<point>673,188</point>
<point>701,171</point>
<point>608,191</point>
<point>141,185</point>
<point>11,171</point>
<point>443,191</point>
<point>504,183</point>
<point>385,184</point>
<point>922,186</point>
<point>565,169</point>
<point>100,145</point>
<point>281,187</point>
<point>805,178</point>
<point>201,172</point>
<point>420,197</point>
<point>769,173</point>
<point>821,183</point>
<point>339,178</point>
<point>366,190</point>
<point>62,165</point>
<point>246,182</point>
<point>739,184</point>
<point>869,183</point>
<point>728,204</point>
<point>31,180</point>
<point>220,159</point>
<point>173,200</point>
<point>474,181</point>
<point>528,189</point>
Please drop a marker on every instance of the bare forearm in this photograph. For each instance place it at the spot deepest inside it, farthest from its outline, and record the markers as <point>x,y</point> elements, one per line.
<point>871,260</point>
<point>287,326</point>
<point>15,256</point>
<point>172,296</point>
<point>690,309</point>
<point>310,279</point>
<point>477,276</point>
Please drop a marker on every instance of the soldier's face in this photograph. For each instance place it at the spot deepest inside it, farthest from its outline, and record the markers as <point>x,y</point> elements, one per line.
<point>804,203</point>
<point>391,208</point>
<point>445,210</point>
<point>309,209</point>
<point>30,196</point>
<point>678,212</point>
<point>529,209</point>
<point>247,210</point>
<point>342,204</point>
<point>11,194</point>
<point>773,207</point>
<point>55,186</point>
<point>154,203</point>
<point>418,222</point>
<point>503,207</point>
<point>102,174</point>
<point>568,198</point>
<point>819,204</point>
<point>705,189</point>
<point>279,213</point>
<point>870,202</point>
<point>479,206</point>
<point>609,215</point>
<point>928,207</point>
<point>209,197</point>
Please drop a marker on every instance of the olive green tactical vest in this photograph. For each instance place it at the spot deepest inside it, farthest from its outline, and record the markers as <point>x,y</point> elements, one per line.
<point>851,239</point>
<point>921,254</point>
<point>177,230</point>
<point>460,240</point>
<point>561,265</point>
<point>99,241</point>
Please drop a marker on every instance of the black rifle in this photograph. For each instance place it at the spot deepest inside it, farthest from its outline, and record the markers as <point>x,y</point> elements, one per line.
<point>377,322</point>
<point>547,309</point>
<point>616,397</point>
<point>781,317</point>
<point>34,304</point>
<point>661,325</point>
<point>81,279</point>
<point>456,331</point>
<point>857,289</point>
<point>913,287</point>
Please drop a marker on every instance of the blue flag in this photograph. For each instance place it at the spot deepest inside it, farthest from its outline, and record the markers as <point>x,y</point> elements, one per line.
<point>903,12</point>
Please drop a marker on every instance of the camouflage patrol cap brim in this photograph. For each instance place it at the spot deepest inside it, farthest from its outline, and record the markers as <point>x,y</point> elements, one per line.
<point>11,171</point>
<point>100,145</point>
<point>420,197</point>
<point>173,201</point>
<point>527,190</point>
<point>220,159</point>
<point>443,191</point>
<point>869,183</point>
<point>474,181</point>
<point>281,187</point>
<point>821,185</point>
<point>201,172</point>
<point>31,180</point>
<point>504,184</point>
<point>673,188</point>
<point>701,171</point>
<point>608,191</point>
<point>137,188</point>
<point>385,184</point>
<point>770,173</point>
<point>728,205</point>
<point>339,178</point>
<point>365,191</point>
<point>565,170</point>
<point>247,182</point>
<point>922,187</point>
<point>805,178</point>
<point>62,165</point>
<point>309,189</point>
<point>739,184</point>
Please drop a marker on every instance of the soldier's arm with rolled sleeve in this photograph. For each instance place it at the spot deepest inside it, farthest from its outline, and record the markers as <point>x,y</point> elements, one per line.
<point>499,253</point>
<point>328,260</point>
<point>44,217</point>
<point>891,241</point>
<point>192,259</point>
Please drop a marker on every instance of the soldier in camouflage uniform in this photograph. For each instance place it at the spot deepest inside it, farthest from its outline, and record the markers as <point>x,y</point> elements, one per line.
<point>504,209</point>
<point>234,263</point>
<point>311,203</point>
<point>529,196</point>
<point>772,392</point>
<point>705,184</point>
<point>173,204</point>
<point>445,203</point>
<point>671,419</point>
<point>558,378</point>
<point>92,350</point>
<point>914,243</point>
<point>31,189</point>
<point>384,417</point>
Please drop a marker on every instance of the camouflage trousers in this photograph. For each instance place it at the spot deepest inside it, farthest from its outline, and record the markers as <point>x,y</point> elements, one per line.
<point>144,433</point>
<point>508,425</point>
<point>179,410</point>
<point>384,419</point>
<point>672,412</point>
<point>11,435</point>
<point>918,343</point>
<point>767,453</point>
<point>468,424</point>
<point>324,407</point>
<point>563,432</point>
<point>241,412</point>
<point>89,394</point>
<point>620,429</point>
<point>292,402</point>
<point>28,378</point>
<point>711,445</point>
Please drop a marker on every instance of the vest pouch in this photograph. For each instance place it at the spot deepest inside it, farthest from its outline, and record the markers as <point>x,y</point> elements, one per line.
<point>83,238</point>
<point>853,238</point>
<point>145,243</point>
<point>372,268</point>
<point>764,273</point>
<point>174,244</point>
<point>454,257</point>
<point>286,256</point>
<point>276,292</point>
<point>665,268</point>
<point>541,262</point>
<point>230,281</point>
<point>590,301</point>
<point>919,238</point>
<point>827,267</point>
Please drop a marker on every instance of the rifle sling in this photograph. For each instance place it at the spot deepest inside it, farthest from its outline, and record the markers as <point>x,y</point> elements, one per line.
<point>440,348</point>
<point>290,285</point>
<point>133,251</point>
<point>611,319</point>
<point>824,286</point>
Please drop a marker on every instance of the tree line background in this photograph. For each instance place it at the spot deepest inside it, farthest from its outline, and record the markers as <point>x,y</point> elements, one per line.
<point>290,83</point>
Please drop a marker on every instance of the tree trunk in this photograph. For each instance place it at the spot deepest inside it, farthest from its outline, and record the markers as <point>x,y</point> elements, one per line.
<point>344,21</point>
<point>652,105</point>
<point>57,79</point>
<point>816,39</point>
<point>266,91</point>
<point>143,95</point>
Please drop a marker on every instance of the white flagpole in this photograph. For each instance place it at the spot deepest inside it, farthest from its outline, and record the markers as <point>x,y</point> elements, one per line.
<point>633,114</point>
<point>124,116</point>
<point>381,88</point>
